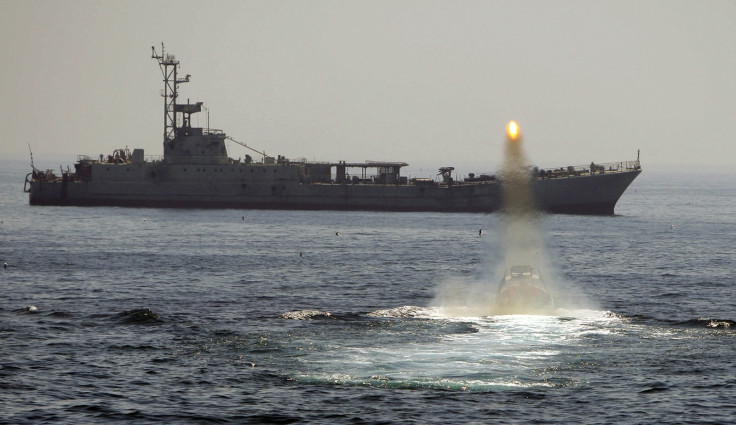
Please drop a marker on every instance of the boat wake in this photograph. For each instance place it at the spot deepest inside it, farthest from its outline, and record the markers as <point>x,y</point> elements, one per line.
<point>424,348</point>
<point>415,347</point>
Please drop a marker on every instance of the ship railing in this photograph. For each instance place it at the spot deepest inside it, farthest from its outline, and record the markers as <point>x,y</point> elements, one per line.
<point>593,168</point>
<point>386,163</point>
<point>86,159</point>
<point>312,162</point>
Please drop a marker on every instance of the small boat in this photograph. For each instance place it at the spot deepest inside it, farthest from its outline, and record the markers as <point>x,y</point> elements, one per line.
<point>523,291</point>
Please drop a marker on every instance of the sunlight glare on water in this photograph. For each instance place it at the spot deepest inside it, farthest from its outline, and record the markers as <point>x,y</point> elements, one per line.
<point>460,353</point>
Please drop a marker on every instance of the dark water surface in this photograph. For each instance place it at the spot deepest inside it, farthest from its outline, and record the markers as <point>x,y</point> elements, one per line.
<point>205,316</point>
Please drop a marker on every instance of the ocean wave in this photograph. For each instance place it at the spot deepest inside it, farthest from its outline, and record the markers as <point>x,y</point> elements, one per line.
<point>485,384</point>
<point>404,311</point>
<point>709,323</point>
<point>702,322</point>
<point>626,317</point>
<point>31,309</point>
<point>60,314</point>
<point>305,315</point>
<point>139,316</point>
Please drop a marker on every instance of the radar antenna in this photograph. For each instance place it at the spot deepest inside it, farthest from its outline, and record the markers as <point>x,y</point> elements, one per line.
<point>169,66</point>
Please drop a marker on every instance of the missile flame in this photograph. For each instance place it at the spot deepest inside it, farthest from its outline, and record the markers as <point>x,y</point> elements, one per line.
<point>512,130</point>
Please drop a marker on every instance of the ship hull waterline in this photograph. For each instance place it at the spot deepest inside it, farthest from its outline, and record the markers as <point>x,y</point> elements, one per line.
<point>592,194</point>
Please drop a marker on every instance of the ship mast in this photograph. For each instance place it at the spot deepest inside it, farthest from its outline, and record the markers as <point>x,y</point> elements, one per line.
<point>169,66</point>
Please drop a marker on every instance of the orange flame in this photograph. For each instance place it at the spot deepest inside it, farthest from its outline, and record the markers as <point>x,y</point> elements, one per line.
<point>512,130</point>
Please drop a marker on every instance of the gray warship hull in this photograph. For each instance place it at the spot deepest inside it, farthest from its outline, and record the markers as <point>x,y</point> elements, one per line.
<point>278,187</point>
<point>196,172</point>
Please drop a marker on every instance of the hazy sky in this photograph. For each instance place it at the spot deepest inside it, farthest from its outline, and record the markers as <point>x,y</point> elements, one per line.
<point>432,83</point>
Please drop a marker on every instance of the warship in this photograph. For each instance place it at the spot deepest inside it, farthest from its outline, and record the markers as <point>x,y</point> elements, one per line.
<point>195,171</point>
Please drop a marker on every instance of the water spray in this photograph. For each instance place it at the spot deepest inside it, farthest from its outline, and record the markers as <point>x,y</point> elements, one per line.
<point>519,249</point>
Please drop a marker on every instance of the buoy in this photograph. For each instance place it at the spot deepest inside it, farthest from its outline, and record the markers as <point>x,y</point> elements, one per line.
<point>5,265</point>
<point>337,233</point>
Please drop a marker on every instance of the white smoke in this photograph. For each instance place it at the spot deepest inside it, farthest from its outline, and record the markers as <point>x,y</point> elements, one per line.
<point>519,239</point>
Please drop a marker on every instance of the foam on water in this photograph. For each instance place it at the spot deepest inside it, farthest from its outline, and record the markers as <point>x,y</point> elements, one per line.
<point>503,352</point>
<point>305,314</point>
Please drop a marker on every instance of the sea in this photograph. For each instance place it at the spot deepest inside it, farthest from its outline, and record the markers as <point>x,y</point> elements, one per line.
<point>196,316</point>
